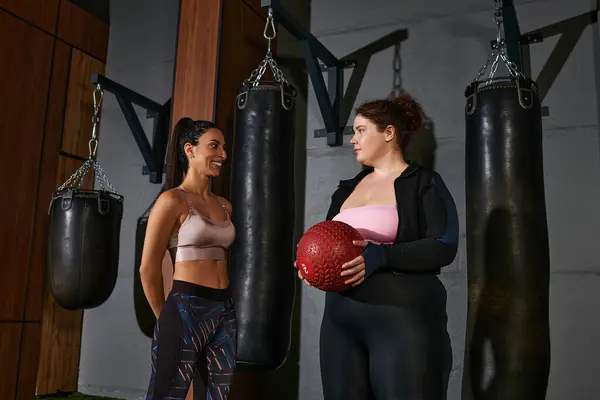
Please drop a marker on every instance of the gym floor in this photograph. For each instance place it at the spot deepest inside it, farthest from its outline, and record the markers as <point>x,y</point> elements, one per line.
<point>76,396</point>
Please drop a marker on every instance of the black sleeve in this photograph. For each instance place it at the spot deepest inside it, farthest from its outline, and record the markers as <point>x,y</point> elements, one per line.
<point>436,250</point>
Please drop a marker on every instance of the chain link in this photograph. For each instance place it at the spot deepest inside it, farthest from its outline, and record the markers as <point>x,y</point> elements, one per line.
<point>93,143</point>
<point>258,73</point>
<point>397,73</point>
<point>77,178</point>
<point>499,51</point>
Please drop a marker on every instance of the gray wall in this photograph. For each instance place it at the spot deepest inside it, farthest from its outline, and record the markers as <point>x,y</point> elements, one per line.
<point>448,44</point>
<point>115,355</point>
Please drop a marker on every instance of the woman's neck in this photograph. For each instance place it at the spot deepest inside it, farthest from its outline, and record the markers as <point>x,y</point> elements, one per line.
<point>196,183</point>
<point>392,163</point>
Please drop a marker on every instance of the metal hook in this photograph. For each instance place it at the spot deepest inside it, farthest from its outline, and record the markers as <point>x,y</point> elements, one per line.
<point>266,35</point>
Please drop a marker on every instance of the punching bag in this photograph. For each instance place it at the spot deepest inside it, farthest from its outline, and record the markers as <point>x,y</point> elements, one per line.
<point>83,246</point>
<point>143,312</point>
<point>262,195</point>
<point>508,250</point>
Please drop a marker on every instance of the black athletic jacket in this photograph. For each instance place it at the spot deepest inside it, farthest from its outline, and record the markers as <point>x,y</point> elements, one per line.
<point>427,237</point>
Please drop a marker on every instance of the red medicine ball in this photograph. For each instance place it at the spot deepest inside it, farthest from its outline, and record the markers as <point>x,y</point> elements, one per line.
<point>322,251</point>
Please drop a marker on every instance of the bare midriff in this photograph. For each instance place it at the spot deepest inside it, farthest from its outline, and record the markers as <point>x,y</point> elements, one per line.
<point>209,273</point>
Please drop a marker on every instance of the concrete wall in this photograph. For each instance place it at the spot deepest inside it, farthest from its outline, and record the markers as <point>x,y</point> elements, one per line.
<point>115,355</point>
<point>448,43</point>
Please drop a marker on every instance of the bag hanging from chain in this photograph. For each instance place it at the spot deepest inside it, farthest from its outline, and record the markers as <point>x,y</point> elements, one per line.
<point>84,233</point>
<point>507,234</point>
<point>263,176</point>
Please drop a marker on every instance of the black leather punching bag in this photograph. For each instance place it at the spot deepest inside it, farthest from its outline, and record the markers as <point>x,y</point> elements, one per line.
<point>262,195</point>
<point>83,247</point>
<point>143,312</point>
<point>508,250</point>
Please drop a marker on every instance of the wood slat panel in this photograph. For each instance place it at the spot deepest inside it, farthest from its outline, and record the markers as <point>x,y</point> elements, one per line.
<point>196,61</point>
<point>241,40</point>
<point>255,6</point>
<point>36,283</point>
<point>22,112</point>
<point>10,338</point>
<point>80,104</point>
<point>30,357</point>
<point>41,13</point>
<point>60,348</point>
<point>82,30</point>
<point>195,65</point>
<point>61,329</point>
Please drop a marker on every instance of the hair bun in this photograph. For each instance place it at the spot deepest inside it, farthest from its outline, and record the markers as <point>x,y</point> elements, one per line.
<point>411,109</point>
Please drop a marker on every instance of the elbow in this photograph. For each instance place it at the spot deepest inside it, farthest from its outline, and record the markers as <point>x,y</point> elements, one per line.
<point>447,255</point>
<point>148,273</point>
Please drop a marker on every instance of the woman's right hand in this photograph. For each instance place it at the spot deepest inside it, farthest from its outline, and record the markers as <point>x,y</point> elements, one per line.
<point>300,275</point>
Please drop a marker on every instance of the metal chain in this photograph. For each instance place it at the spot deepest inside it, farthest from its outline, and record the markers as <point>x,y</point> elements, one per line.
<point>258,73</point>
<point>397,72</point>
<point>499,51</point>
<point>78,177</point>
<point>93,143</point>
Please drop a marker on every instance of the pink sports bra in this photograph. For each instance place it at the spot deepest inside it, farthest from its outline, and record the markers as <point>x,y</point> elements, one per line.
<point>200,238</point>
<point>376,223</point>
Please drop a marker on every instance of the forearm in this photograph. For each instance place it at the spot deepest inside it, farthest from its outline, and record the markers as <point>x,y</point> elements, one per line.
<point>435,250</point>
<point>425,255</point>
<point>153,285</point>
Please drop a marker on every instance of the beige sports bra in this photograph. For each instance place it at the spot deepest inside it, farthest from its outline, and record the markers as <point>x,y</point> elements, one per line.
<point>200,238</point>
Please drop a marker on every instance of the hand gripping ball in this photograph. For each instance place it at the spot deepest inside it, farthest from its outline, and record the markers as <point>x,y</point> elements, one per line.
<point>322,251</point>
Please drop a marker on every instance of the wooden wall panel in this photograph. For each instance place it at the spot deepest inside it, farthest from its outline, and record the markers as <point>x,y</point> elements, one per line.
<point>10,337</point>
<point>254,5</point>
<point>195,67</point>
<point>34,75</point>
<point>80,101</point>
<point>36,282</point>
<point>61,329</point>
<point>29,360</point>
<point>60,349</point>
<point>82,30</point>
<point>196,61</point>
<point>41,13</point>
<point>241,40</point>
<point>22,114</point>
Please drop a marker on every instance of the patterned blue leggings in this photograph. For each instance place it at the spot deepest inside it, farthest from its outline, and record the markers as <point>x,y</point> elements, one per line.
<point>194,321</point>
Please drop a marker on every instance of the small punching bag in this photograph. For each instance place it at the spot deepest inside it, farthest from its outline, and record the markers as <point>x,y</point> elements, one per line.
<point>83,244</point>
<point>143,312</point>
<point>507,242</point>
<point>262,194</point>
<point>84,233</point>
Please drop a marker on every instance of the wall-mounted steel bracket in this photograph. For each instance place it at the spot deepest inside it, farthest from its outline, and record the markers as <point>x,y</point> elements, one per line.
<point>335,107</point>
<point>154,155</point>
<point>329,96</point>
<point>517,44</point>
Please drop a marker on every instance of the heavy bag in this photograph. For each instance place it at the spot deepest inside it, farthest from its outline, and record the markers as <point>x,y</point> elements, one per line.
<point>262,195</point>
<point>507,243</point>
<point>83,246</point>
<point>143,312</point>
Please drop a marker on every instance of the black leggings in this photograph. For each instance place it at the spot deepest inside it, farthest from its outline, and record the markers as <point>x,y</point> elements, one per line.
<point>195,322</point>
<point>393,348</point>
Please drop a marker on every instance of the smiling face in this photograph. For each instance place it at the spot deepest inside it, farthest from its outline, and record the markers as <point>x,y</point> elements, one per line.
<point>369,143</point>
<point>208,156</point>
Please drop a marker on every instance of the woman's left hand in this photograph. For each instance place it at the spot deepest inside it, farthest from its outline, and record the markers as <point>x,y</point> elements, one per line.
<point>355,269</point>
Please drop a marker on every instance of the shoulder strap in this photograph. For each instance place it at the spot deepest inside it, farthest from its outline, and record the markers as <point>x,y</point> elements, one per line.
<point>185,196</point>
<point>223,205</point>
